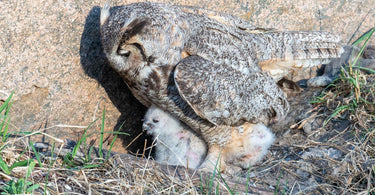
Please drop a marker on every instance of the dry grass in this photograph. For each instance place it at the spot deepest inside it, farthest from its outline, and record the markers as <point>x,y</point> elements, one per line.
<point>352,97</point>
<point>120,174</point>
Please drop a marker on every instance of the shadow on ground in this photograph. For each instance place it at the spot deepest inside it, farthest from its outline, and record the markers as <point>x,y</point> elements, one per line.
<point>96,65</point>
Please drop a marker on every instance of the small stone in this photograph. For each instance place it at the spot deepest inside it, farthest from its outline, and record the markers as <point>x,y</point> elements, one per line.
<point>312,125</point>
<point>40,146</point>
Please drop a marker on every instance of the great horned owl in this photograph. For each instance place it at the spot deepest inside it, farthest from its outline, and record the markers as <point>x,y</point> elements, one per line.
<point>176,144</point>
<point>213,71</point>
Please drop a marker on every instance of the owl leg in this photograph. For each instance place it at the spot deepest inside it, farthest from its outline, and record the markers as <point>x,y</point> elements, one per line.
<point>214,159</point>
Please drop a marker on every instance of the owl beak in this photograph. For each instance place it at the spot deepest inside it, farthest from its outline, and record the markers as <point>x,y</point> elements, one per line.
<point>147,127</point>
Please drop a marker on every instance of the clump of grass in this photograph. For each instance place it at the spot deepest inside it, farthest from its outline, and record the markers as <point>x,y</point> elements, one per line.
<point>353,92</point>
<point>215,179</point>
<point>5,119</point>
<point>352,97</point>
<point>22,185</point>
<point>13,186</point>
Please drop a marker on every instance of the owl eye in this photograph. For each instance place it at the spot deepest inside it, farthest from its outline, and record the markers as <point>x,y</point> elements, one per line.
<point>123,52</point>
<point>155,120</point>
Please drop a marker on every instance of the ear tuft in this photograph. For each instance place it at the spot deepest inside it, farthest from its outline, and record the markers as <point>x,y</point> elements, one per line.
<point>104,13</point>
<point>134,27</point>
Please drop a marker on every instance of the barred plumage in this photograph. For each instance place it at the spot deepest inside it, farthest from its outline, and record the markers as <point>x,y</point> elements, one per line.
<point>210,70</point>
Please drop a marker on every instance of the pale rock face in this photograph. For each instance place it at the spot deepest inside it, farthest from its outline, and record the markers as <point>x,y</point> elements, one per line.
<point>176,144</point>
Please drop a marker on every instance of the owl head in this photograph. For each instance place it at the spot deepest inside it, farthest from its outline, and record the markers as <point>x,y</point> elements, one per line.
<point>122,37</point>
<point>140,35</point>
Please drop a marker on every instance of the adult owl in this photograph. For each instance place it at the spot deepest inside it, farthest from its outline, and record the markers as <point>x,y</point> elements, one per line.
<point>214,72</point>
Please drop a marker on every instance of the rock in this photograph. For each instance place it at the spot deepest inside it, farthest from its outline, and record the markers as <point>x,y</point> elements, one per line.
<point>318,153</point>
<point>369,52</point>
<point>334,153</point>
<point>40,146</point>
<point>312,124</point>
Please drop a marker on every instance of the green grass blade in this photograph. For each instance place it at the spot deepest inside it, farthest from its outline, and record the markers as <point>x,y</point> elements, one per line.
<point>201,183</point>
<point>114,139</point>
<point>37,156</point>
<point>226,184</point>
<point>10,188</point>
<point>13,188</point>
<point>285,187</point>
<point>366,35</point>
<point>4,167</point>
<point>19,156</point>
<point>76,147</point>
<point>5,104</point>
<point>89,153</point>
<point>67,160</point>
<point>337,110</point>
<point>110,147</point>
<point>30,168</point>
<point>371,71</point>
<point>4,132</point>
<point>278,183</point>
<point>115,132</point>
<point>91,166</point>
<point>20,186</point>
<point>32,188</point>
<point>366,102</point>
<point>211,183</point>
<point>23,163</point>
<point>79,143</point>
<point>101,136</point>
<point>6,121</point>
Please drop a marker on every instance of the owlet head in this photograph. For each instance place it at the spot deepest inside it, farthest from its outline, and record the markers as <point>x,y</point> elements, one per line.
<point>158,121</point>
<point>154,122</point>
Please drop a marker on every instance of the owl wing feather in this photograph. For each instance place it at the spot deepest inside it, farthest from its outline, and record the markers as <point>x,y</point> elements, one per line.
<point>226,96</point>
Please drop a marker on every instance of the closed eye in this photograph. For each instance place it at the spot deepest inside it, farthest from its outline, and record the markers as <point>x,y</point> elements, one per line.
<point>125,53</point>
<point>155,120</point>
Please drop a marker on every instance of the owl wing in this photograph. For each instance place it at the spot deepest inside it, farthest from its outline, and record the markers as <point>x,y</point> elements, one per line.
<point>226,96</point>
<point>226,19</point>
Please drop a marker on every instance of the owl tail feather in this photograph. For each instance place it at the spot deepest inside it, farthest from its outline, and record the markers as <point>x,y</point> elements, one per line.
<point>280,52</point>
